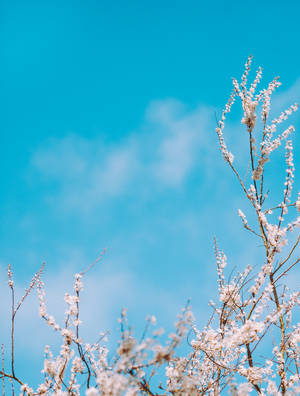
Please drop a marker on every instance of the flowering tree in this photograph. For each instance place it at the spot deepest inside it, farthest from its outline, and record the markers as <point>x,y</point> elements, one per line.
<point>251,342</point>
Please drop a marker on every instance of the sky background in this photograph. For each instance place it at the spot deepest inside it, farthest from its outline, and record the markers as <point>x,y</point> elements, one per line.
<point>108,140</point>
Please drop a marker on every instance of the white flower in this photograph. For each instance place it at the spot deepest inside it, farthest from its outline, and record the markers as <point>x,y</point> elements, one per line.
<point>229,295</point>
<point>244,389</point>
<point>92,392</point>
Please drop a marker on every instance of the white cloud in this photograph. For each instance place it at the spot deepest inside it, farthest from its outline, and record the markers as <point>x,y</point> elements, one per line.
<point>162,152</point>
<point>86,171</point>
<point>182,137</point>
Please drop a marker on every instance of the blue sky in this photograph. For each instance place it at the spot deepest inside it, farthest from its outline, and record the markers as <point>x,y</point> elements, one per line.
<point>107,141</point>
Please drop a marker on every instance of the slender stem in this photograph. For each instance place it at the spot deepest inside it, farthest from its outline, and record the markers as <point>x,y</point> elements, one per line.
<point>13,377</point>
<point>262,156</point>
<point>250,361</point>
<point>286,271</point>
<point>252,160</point>
<point>3,380</point>
<point>288,257</point>
<point>12,330</point>
<point>282,329</point>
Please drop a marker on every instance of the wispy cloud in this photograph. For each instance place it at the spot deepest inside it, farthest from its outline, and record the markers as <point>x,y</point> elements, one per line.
<point>85,171</point>
<point>162,152</point>
<point>183,134</point>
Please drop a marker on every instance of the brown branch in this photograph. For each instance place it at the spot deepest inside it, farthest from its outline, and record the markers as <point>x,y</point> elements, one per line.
<point>286,271</point>
<point>288,257</point>
<point>94,263</point>
<point>11,376</point>
<point>3,381</point>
